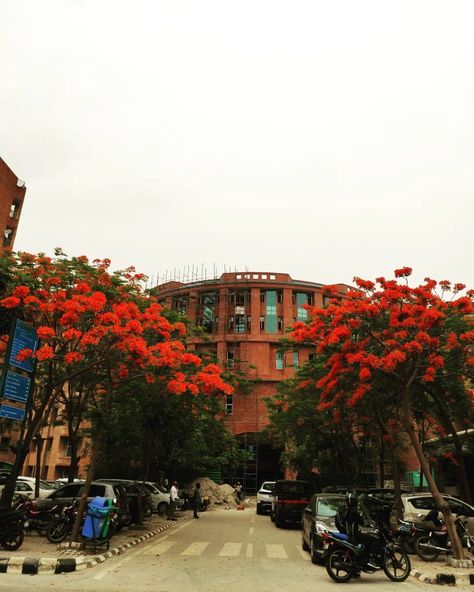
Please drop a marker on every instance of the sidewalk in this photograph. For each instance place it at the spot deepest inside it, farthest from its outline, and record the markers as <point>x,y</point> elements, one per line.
<point>38,555</point>
<point>439,572</point>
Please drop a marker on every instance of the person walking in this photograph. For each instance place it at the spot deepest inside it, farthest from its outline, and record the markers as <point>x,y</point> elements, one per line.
<point>173,498</point>
<point>197,499</point>
<point>238,491</point>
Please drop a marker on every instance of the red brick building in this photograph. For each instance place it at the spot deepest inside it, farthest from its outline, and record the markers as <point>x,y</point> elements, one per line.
<point>12,194</point>
<point>243,316</point>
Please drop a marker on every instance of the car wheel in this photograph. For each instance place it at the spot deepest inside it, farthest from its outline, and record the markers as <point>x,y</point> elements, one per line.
<point>259,509</point>
<point>315,556</point>
<point>162,508</point>
<point>304,544</point>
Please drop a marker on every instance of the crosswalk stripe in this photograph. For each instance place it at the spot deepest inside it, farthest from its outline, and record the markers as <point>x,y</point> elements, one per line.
<point>159,548</point>
<point>249,551</point>
<point>276,552</point>
<point>231,550</point>
<point>195,548</point>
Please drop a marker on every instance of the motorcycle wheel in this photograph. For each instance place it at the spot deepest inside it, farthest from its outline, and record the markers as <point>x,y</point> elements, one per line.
<point>42,525</point>
<point>57,531</point>
<point>397,564</point>
<point>337,566</point>
<point>424,549</point>
<point>14,541</point>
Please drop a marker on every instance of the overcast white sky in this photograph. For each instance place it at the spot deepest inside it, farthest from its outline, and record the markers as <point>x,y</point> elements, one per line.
<point>325,139</point>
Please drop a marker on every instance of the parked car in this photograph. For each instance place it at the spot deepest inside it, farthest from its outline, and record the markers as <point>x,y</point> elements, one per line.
<point>72,491</point>
<point>265,496</point>
<point>161,499</point>
<point>25,486</point>
<point>318,516</point>
<point>135,492</point>
<point>290,499</point>
<point>417,505</point>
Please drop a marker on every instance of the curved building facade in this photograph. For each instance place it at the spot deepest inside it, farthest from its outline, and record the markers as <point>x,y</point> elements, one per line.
<point>242,317</point>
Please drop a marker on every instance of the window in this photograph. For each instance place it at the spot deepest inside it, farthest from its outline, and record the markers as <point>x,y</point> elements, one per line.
<point>71,490</point>
<point>326,300</point>
<point>423,503</point>
<point>15,209</point>
<point>230,322</point>
<point>280,295</point>
<point>264,276</point>
<point>262,323</point>
<point>240,323</point>
<point>279,361</point>
<point>262,295</point>
<point>230,358</point>
<point>296,359</point>
<point>271,298</point>
<point>229,404</point>
<point>311,357</point>
<point>280,323</point>
<point>8,237</point>
<point>5,443</point>
<point>301,302</point>
<point>180,303</point>
<point>249,323</point>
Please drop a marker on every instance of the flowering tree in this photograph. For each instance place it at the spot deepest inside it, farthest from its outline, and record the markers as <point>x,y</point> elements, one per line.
<point>97,329</point>
<point>387,339</point>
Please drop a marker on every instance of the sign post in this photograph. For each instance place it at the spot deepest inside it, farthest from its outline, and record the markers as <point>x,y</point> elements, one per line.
<point>15,386</point>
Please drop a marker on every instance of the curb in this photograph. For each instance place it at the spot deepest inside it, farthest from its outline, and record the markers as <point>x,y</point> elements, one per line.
<point>443,579</point>
<point>58,565</point>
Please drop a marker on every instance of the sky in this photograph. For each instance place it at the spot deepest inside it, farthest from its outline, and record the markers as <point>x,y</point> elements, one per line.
<point>324,139</point>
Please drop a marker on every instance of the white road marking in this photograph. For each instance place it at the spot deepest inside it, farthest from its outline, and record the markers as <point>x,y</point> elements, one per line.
<point>230,550</point>
<point>252,520</point>
<point>249,551</point>
<point>115,566</point>
<point>251,530</point>
<point>276,552</point>
<point>159,548</point>
<point>303,554</point>
<point>195,548</point>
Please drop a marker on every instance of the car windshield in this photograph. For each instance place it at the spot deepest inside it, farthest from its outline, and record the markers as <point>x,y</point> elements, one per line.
<point>329,507</point>
<point>45,485</point>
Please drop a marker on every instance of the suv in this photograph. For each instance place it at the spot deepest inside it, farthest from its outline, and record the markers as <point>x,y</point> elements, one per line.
<point>265,496</point>
<point>290,499</point>
<point>417,505</point>
<point>66,494</point>
<point>134,491</point>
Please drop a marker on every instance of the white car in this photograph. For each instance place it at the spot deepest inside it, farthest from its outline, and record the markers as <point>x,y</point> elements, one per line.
<point>416,505</point>
<point>26,486</point>
<point>265,497</point>
<point>160,498</point>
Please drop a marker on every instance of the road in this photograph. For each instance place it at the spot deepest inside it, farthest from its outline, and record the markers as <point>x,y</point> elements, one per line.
<point>223,551</point>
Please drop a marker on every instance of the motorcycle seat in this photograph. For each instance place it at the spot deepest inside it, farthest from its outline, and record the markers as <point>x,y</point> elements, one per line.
<point>340,535</point>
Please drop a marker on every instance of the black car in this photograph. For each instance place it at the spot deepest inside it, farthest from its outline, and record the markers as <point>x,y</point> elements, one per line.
<point>72,491</point>
<point>317,517</point>
<point>289,500</point>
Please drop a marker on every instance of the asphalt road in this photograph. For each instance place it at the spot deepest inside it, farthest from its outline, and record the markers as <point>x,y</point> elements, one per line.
<point>225,551</point>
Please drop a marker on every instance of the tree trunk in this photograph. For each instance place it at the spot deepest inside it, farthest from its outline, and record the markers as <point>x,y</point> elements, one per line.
<point>438,499</point>
<point>39,449</point>
<point>396,483</point>
<point>85,493</point>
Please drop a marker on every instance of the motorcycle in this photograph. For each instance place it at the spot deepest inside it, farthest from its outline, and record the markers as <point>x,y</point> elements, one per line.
<point>345,560</point>
<point>11,529</point>
<point>35,519</point>
<point>206,501</point>
<point>61,527</point>
<point>435,540</point>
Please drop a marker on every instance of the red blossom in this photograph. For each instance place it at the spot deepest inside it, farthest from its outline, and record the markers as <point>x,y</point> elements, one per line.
<point>45,352</point>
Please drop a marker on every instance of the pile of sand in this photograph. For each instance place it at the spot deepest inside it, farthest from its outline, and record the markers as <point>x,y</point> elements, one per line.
<point>218,494</point>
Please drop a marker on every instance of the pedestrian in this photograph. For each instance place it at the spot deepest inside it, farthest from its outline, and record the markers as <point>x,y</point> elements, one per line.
<point>196,499</point>
<point>238,491</point>
<point>173,498</point>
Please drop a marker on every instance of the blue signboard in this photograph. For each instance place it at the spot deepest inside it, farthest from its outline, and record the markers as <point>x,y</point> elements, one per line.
<point>24,337</point>
<point>16,387</point>
<point>12,412</point>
